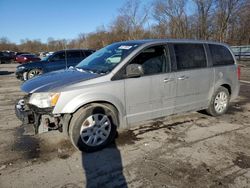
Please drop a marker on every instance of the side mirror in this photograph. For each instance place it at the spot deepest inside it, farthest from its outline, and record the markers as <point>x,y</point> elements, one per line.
<point>134,70</point>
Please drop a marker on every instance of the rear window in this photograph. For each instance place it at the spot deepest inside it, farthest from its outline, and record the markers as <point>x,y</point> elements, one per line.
<point>190,56</point>
<point>220,55</point>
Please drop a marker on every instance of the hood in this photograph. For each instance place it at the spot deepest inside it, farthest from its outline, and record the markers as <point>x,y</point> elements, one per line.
<point>54,80</point>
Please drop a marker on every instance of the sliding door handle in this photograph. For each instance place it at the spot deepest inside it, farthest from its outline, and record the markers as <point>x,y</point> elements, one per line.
<point>183,78</point>
<point>168,80</point>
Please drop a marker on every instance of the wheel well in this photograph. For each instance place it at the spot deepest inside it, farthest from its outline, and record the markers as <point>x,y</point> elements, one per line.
<point>108,104</point>
<point>99,102</point>
<point>227,87</point>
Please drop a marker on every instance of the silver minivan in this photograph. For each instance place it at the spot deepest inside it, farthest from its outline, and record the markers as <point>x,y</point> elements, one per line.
<point>128,82</point>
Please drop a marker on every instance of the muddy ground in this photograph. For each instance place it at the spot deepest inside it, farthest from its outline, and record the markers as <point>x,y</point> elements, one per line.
<point>188,150</point>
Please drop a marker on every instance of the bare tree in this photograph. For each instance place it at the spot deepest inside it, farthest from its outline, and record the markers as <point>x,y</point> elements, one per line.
<point>204,17</point>
<point>5,44</point>
<point>171,17</point>
<point>131,20</point>
<point>225,11</point>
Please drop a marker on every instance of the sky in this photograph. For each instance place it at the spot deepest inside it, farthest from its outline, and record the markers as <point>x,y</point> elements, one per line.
<point>40,19</point>
<point>59,19</point>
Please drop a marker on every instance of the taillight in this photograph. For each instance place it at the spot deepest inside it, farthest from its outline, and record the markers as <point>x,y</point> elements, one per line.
<point>238,72</point>
<point>25,58</point>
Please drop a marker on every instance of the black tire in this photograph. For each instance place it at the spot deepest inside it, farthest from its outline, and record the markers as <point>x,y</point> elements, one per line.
<point>34,72</point>
<point>81,116</point>
<point>211,109</point>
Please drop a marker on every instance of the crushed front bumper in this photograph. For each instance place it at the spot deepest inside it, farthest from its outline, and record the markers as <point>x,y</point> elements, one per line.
<point>42,118</point>
<point>23,113</point>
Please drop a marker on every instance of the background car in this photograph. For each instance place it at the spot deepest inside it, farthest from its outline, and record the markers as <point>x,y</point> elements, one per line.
<point>58,60</point>
<point>20,53</point>
<point>5,57</point>
<point>24,58</point>
<point>45,54</point>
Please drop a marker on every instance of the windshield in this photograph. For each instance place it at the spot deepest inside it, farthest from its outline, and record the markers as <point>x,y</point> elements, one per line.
<point>46,58</point>
<point>107,58</point>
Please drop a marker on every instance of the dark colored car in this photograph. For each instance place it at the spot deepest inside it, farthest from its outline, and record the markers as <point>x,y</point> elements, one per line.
<point>5,57</point>
<point>25,58</point>
<point>59,60</point>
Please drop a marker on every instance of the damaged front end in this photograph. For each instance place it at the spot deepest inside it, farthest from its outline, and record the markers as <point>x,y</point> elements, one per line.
<point>42,118</point>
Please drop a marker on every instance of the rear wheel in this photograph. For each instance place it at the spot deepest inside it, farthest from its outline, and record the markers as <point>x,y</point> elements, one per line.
<point>34,72</point>
<point>93,127</point>
<point>219,102</point>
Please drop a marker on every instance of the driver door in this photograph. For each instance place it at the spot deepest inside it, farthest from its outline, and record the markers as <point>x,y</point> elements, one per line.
<point>147,95</point>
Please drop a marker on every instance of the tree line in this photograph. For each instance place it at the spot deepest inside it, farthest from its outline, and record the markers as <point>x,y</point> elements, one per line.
<point>218,20</point>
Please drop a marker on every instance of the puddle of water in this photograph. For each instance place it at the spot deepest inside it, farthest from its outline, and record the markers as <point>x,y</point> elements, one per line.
<point>242,161</point>
<point>126,138</point>
<point>26,144</point>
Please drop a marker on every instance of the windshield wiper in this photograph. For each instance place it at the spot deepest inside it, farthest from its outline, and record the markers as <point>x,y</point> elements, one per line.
<point>86,70</point>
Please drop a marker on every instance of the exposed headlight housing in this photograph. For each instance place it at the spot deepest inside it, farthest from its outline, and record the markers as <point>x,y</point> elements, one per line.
<point>20,68</point>
<point>44,100</point>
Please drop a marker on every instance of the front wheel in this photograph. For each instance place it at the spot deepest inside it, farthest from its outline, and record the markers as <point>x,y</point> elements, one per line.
<point>34,72</point>
<point>93,127</point>
<point>219,102</point>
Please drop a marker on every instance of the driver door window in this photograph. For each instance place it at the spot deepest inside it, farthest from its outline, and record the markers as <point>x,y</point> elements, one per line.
<point>58,57</point>
<point>153,60</point>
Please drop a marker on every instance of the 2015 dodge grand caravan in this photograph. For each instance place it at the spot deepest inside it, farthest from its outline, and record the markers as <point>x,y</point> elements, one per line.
<point>128,82</point>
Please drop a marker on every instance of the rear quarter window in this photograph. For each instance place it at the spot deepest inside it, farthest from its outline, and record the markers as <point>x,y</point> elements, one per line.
<point>220,55</point>
<point>190,56</point>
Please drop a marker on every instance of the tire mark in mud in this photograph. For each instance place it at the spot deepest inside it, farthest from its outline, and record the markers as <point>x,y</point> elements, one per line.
<point>180,173</point>
<point>130,137</point>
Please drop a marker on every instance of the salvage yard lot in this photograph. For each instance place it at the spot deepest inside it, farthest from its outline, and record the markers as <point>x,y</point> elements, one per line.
<point>187,150</point>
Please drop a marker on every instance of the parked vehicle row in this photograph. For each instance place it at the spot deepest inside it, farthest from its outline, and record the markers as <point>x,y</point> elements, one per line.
<point>59,60</point>
<point>25,58</point>
<point>5,57</point>
<point>128,82</point>
<point>19,57</point>
<point>45,54</point>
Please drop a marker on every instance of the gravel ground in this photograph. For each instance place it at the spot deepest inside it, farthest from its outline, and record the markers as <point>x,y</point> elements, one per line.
<point>187,150</point>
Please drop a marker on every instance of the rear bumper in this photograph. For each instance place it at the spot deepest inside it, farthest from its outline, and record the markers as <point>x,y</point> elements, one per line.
<point>235,91</point>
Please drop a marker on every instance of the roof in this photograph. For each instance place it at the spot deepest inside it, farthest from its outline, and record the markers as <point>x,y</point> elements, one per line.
<point>156,41</point>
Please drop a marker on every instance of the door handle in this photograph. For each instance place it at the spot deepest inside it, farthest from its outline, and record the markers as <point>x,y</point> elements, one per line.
<point>168,80</point>
<point>183,78</point>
